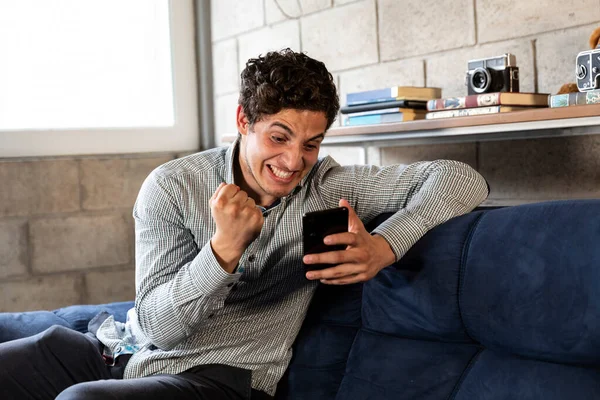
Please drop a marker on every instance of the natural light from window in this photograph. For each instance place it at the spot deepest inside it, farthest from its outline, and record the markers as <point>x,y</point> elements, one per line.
<point>71,64</point>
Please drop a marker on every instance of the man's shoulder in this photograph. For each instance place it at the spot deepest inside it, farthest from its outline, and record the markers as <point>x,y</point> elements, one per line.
<point>202,163</point>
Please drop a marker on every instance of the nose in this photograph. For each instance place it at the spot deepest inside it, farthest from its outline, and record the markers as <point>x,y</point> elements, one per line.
<point>294,159</point>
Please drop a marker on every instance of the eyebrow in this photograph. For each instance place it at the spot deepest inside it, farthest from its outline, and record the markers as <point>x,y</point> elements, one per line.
<point>288,130</point>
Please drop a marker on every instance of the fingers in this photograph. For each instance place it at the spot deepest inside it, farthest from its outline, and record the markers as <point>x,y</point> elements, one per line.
<point>347,280</point>
<point>349,256</point>
<point>339,275</point>
<point>329,257</point>
<point>229,193</point>
<point>216,193</point>
<point>347,238</point>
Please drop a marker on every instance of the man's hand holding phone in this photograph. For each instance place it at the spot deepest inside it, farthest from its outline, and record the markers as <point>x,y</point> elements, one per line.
<point>363,257</point>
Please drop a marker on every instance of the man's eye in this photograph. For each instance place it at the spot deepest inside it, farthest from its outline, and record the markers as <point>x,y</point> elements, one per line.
<point>277,139</point>
<point>310,147</point>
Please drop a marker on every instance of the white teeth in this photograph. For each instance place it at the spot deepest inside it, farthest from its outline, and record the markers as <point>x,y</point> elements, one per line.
<point>280,173</point>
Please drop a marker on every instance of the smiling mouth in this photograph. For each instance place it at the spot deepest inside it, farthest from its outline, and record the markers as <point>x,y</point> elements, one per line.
<point>281,174</point>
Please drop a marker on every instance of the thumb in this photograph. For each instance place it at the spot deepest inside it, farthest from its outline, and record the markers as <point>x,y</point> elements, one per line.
<point>216,193</point>
<point>354,223</point>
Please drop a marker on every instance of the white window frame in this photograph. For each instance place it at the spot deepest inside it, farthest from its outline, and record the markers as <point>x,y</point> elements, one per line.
<point>182,137</point>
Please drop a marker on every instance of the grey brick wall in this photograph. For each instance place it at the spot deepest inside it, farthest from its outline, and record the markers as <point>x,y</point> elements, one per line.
<point>66,230</point>
<point>369,44</point>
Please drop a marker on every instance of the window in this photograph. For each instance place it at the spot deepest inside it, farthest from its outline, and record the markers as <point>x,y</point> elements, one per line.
<point>97,76</point>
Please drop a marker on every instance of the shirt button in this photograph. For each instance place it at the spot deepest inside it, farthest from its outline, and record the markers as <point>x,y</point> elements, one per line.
<point>252,258</point>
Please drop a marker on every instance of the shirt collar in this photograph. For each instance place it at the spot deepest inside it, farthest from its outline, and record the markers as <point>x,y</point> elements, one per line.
<point>230,159</point>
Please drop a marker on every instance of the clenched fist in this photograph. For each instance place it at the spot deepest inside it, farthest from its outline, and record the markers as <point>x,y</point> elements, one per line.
<point>238,222</point>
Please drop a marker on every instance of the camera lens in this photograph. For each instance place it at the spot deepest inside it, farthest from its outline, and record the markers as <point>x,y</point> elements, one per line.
<point>480,80</point>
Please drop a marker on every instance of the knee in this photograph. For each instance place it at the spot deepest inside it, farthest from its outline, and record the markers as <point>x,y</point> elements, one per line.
<point>56,336</point>
<point>64,341</point>
<point>86,390</point>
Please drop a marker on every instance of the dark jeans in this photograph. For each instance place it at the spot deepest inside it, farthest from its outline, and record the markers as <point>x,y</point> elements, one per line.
<point>65,364</point>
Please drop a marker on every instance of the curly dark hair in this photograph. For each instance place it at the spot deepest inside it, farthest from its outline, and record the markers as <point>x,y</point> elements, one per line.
<point>287,79</point>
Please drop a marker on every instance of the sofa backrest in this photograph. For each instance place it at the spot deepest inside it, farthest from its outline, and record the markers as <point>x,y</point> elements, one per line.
<point>490,305</point>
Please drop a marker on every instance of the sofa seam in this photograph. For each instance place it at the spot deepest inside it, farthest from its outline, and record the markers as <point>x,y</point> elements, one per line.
<point>464,374</point>
<point>415,338</point>
<point>462,271</point>
<point>360,378</point>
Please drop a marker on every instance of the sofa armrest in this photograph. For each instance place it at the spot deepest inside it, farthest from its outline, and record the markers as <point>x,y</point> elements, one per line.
<point>79,316</point>
<point>23,324</point>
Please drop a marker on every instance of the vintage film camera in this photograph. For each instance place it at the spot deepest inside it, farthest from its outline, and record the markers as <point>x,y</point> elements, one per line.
<point>587,70</point>
<point>490,75</point>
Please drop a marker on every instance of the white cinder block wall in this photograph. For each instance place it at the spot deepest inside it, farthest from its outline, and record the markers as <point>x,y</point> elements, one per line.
<point>369,44</point>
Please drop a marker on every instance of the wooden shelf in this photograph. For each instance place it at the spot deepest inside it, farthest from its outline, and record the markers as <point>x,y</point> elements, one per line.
<point>523,124</point>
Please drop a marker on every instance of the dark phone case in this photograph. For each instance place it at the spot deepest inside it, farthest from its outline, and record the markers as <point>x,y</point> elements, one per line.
<point>318,224</point>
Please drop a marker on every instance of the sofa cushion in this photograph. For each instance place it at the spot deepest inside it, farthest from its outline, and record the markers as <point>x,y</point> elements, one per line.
<point>531,281</point>
<point>496,376</point>
<point>418,296</point>
<point>19,325</point>
<point>383,367</point>
<point>323,343</point>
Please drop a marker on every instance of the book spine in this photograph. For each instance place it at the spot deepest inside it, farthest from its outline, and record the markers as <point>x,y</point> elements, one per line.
<point>573,99</point>
<point>415,104</point>
<point>374,112</point>
<point>471,101</point>
<point>370,96</point>
<point>353,120</point>
<point>393,110</point>
<point>463,112</point>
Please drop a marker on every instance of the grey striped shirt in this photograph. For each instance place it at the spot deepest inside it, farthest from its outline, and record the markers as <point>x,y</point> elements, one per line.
<point>189,311</point>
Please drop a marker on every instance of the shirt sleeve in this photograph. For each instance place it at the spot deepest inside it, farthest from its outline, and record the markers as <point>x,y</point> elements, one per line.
<point>422,195</point>
<point>178,283</point>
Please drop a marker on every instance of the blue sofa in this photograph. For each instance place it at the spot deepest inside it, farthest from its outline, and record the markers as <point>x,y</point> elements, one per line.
<point>495,304</point>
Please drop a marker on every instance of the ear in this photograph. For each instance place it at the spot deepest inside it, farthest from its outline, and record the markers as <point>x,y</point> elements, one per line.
<point>241,121</point>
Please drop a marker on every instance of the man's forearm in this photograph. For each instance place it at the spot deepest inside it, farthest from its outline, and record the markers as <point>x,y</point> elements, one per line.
<point>170,311</point>
<point>227,256</point>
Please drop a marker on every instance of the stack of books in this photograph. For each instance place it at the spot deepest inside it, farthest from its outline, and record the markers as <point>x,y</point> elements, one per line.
<point>393,104</point>
<point>487,103</point>
<point>574,99</point>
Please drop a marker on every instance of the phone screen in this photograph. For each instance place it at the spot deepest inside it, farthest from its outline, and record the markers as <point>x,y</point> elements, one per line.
<point>318,224</point>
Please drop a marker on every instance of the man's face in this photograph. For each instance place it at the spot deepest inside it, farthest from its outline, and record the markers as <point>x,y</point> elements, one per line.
<point>278,151</point>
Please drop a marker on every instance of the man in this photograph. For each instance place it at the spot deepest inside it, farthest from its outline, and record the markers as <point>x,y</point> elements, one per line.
<point>221,289</point>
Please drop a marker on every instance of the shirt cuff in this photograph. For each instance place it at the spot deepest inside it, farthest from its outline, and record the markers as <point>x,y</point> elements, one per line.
<point>402,230</point>
<point>208,275</point>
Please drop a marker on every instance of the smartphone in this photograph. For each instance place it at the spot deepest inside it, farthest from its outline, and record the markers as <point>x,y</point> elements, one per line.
<point>318,224</point>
